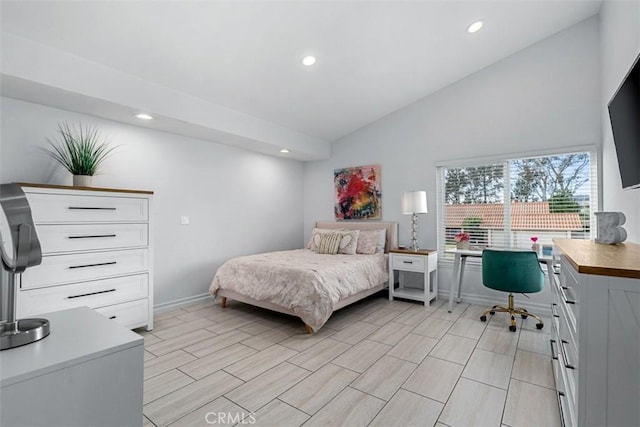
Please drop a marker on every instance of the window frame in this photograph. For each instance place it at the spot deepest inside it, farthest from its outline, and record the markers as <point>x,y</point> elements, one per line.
<point>595,171</point>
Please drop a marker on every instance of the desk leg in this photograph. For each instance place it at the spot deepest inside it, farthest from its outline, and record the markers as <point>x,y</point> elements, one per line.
<point>463,262</point>
<point>454,280</point>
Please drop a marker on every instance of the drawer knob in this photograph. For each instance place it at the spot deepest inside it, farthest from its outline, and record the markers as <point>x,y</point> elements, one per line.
<point>89,294</point>
<point>93,265</point>
<point>112,317</point>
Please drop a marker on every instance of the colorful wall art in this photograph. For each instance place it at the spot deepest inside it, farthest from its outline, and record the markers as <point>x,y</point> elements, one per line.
<point>358,194</point>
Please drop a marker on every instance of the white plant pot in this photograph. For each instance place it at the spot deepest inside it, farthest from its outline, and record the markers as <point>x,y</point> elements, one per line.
<point>82,180</point>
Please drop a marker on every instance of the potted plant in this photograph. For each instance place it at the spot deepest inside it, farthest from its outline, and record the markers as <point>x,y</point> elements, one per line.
<point>462,240</point>
<point>81,150</point>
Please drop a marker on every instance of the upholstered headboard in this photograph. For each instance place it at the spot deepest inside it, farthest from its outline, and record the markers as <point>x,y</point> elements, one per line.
<point>391,227</point>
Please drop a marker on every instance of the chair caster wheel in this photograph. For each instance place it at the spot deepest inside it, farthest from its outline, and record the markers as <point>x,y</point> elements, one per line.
<point>524,316</point>
<point>492,313</point>
<point>539,325</point>
<point>483,318</point>
<point>512,328</point>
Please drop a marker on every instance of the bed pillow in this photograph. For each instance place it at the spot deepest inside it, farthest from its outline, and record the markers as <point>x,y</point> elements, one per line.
<point>317,232</point>
<point>382,241</point>
<point>329,243</point>
<point>372,241</point>
<point>349,242</point>
<point>368,241</point>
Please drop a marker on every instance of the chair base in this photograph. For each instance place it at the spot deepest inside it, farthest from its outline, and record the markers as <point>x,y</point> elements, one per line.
<point>513,311</point>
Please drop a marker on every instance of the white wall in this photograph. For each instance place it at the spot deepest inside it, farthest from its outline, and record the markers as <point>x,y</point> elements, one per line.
<point>239,202</point>
<point>543,97</point>
<point>620,45</point>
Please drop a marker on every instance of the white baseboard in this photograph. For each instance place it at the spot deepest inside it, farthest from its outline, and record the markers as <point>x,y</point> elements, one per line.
<point>534,307</point>
<point>182,302</point>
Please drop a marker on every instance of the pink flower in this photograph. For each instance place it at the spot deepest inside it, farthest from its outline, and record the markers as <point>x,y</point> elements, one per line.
<point>534,239</point>
<point>462,237</point>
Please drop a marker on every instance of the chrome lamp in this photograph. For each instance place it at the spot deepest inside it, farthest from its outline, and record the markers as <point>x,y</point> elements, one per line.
<point>19,249</point>
<point>414,203</point>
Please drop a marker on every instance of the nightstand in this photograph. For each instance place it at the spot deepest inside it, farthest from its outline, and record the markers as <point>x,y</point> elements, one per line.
<point>423,261</point>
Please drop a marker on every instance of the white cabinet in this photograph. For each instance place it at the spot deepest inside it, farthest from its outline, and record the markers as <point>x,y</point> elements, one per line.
<point>596,333</point>
<point>97,251</point>
<point>87,372</point>
<point>422,261</point>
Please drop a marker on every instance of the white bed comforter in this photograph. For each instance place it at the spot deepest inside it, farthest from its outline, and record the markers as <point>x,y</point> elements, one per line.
<point>307,283</point>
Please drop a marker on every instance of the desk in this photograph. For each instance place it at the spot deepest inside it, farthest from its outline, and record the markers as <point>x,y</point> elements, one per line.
<point>459,262</point>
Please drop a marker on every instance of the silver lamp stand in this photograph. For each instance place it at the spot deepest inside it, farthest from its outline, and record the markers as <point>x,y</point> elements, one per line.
<point>414,203</point>
<point>20,249</point>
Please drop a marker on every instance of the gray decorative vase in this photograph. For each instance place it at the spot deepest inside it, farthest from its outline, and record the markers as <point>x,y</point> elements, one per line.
<point>82,180</point>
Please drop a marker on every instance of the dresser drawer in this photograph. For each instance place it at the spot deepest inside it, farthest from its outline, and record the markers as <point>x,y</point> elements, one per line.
<point>91,237</point>
<point>94,294</point>
<point>129,314</point>
<point>408,262</point>
<point>61,269</point>
<point>55,208</point>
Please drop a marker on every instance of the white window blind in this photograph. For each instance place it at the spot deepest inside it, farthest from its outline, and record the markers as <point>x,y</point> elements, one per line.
<point>507,202</point>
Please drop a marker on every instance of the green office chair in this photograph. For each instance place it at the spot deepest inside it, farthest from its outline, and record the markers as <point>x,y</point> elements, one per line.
<point>512,271</point>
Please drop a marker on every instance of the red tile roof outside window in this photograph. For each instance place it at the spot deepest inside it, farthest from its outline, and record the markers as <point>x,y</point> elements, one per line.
<point>524,216</point>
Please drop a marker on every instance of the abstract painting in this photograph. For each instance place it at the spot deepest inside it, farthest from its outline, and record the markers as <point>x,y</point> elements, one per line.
<point>358,194</point>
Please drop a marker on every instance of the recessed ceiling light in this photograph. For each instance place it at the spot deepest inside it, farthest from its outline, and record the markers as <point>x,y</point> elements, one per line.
<point>309,60</point>
<point>144,116</point>
<point>474,27</point>
<point>285,151</point>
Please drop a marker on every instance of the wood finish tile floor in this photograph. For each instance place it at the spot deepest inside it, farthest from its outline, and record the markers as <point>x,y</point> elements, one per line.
<point>376,362</point>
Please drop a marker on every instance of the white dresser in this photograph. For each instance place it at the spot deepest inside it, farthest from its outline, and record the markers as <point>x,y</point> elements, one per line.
<point>596,333</point>
<point>96,251</point>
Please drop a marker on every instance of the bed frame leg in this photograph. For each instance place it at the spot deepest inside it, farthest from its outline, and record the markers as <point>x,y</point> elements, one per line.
<point>308,329</point>
<point>223,303</point>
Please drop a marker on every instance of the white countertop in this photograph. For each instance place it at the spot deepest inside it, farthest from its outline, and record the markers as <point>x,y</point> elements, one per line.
<point>77,335</point>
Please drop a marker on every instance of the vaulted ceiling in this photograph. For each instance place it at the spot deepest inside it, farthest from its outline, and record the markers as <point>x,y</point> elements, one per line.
<point>231,71</point>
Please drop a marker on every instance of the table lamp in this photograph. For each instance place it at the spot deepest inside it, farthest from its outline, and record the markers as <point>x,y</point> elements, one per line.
<point>414,203</point>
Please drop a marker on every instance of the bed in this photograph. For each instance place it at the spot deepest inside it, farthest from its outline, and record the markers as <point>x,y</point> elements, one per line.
<point>304,283</point>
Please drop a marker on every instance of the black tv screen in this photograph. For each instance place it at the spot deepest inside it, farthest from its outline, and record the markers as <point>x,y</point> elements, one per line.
<point>624,111</point>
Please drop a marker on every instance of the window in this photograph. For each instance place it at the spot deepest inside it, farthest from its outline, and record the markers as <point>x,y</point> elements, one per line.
<point>506,202</point>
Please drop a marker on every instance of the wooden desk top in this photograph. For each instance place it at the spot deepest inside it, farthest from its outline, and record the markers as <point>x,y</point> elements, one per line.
<point>412,252</point>
<point>589,257</point>
<point>68,187</point>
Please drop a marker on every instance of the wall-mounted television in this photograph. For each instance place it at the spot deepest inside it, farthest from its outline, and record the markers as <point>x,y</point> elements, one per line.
<point>624,111</point>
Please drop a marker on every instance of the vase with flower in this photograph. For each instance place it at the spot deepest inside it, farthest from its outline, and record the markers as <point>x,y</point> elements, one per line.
<point>462,240</point>
<point>535,247</point>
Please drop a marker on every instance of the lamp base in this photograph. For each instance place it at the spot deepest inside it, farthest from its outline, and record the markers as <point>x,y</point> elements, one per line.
<point>22,332</point>
<point>414,232</point>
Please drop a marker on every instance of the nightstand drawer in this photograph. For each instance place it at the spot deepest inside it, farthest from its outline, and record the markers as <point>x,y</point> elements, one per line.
<point>83,208</point>
<point>408,262</point>
<point>91,237</point>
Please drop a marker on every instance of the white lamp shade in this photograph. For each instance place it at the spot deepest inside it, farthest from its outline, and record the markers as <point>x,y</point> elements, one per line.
<point>414,202</point>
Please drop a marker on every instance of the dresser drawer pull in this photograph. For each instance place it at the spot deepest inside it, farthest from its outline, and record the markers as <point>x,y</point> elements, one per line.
<point>97,236</point>
<point>408,262</point>
<point>112,317</point>
<point>554,351</point>
<point>92,293</point>
<point>94,265</point>
<point>567,363</point>
<point>554,310</point>
<point>565,292</point>
<point>90,208</point>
